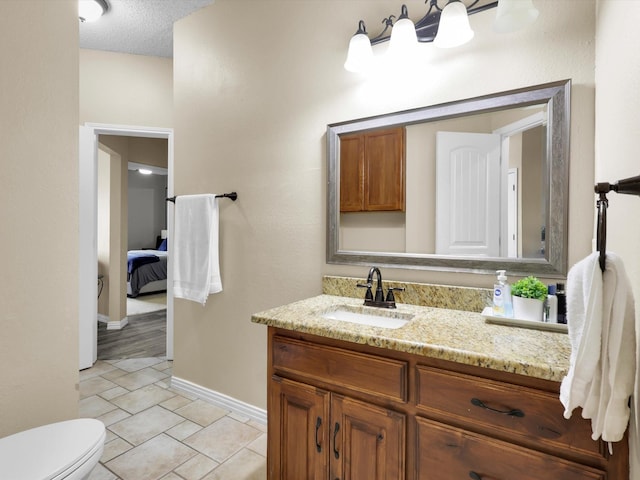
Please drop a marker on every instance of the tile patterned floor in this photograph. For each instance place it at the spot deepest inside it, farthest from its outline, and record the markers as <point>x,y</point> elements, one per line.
<point>155,432</point>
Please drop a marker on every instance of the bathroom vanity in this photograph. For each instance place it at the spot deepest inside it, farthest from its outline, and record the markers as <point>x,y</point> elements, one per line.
<point>443,396</point>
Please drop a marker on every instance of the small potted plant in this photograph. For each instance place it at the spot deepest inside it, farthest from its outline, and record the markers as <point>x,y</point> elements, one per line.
<point>528,297</point>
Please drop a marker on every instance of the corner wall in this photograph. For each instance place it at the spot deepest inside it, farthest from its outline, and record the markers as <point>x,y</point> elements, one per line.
<point>255,85</point>
<point>38,213</point>
<point>618,126</point>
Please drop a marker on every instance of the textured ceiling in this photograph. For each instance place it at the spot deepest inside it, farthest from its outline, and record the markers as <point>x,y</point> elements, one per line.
<point>141,27</point>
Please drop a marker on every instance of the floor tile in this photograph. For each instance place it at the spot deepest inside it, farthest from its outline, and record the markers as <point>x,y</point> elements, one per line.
<point>114,448</point>
<point>260,426</point>
<point>201,412</point>
<point>222,439</point>
<point>113,416</point>
<point>152,372</point>
<point>259,445</point>
<point>152,460</point>
<point>171,476</point>
<point>245,465</point>
<point>135,364</point>
<point>175,402</point>
<point>143,398</point>
<point>144,425</point>
<point>99,368</point>
<point>135,380</point>
<point>113,393</point>
<point>150,425</point>
<point>184,430</point>
<point>115,373</point>
<point>92,407</point>
<point>101,473</point>
<point>196,467</point>
<point>95,386</point>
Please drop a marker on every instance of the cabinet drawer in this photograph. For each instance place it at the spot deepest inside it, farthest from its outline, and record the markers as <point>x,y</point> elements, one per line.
<point>446,453</point>
<point>523,414</point>
<point>360,372</point>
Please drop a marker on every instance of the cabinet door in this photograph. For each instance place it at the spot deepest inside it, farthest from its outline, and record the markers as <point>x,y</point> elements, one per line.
<point>351,173</point>
<point>368,442</point>
<point>447,453</point>
<point>298,431</point>
<point>384,186</point>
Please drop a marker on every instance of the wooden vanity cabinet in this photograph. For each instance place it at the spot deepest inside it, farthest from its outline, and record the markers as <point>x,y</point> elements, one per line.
<point>320,432</point>
<point>372,171</point>
<point>344,411</point>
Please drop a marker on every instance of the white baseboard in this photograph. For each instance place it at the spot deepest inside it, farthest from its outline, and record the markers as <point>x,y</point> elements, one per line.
<point>103,318</point>
<point>221,400</point>
<point>117,325</point>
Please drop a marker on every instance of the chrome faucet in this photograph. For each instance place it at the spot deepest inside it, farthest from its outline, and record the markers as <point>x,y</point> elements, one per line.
<point>379,300</point>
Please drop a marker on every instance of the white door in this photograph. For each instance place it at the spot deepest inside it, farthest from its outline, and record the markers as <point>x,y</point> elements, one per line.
<point>88,248</point>
<point>468,200</point>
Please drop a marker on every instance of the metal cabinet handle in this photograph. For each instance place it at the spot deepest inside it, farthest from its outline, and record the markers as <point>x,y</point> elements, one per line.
<point>335,434</point>
<point>318,425</point>
<point>512,413</point>
<point>474,475</point>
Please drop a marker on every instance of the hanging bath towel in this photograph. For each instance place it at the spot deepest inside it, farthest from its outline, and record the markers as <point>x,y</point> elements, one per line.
<point>197,267</point>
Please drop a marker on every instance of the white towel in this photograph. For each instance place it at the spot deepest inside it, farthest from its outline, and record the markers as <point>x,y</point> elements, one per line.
<point>603,371</point>
<point>196,267</point>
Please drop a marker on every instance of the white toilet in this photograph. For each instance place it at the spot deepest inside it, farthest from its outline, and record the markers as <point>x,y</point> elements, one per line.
<point>65,450</point>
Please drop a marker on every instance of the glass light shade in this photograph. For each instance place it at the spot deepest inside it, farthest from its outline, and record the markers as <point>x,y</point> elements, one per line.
<point>89,10</point>
<point>360,54</point>
<point>513,15</point>
<point>403,37</point>
<point>454,29</point>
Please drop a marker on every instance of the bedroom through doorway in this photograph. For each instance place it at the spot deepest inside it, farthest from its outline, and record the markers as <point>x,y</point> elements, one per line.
<point>131,199</point>
<point>128,211</point>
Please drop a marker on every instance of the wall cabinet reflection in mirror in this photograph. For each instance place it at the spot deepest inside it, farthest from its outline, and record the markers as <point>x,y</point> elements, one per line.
<point>485,187</point>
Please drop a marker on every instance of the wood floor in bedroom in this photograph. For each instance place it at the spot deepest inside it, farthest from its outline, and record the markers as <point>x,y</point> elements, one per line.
<point>144,336</point>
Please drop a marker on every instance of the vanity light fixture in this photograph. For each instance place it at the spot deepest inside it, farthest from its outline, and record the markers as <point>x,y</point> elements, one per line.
<point>145,171</point>
<point>91,10</point>
<point>446,27</point>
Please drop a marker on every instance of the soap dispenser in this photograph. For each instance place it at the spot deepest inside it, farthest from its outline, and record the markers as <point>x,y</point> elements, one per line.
<point>502,306</point>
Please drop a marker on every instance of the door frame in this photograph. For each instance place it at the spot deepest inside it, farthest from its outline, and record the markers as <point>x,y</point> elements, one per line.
<point>88,250</point>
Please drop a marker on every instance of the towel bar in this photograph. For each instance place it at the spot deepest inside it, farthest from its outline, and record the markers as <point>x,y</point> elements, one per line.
<point>628,186</point>
<point>233,196</point>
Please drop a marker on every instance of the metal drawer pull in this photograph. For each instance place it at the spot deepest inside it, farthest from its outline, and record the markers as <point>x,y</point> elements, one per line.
<point>474,475</point>
<point>335,434</point>
<point>512,413</point>
<point>318,424</point>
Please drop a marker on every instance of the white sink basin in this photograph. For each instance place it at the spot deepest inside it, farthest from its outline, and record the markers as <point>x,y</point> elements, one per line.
<point>368,316</point>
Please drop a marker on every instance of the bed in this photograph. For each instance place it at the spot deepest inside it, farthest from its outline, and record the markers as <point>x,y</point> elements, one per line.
<point>146,272</point>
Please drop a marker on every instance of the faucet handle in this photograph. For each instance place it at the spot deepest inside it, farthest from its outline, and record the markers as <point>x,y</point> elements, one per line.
<point>368,295</point>
<point>390,290</point>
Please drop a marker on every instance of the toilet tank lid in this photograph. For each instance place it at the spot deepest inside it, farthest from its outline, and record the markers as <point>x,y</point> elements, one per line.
<point>44,452</point>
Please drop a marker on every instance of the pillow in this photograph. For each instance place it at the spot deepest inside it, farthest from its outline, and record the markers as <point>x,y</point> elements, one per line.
<point>163,246</point>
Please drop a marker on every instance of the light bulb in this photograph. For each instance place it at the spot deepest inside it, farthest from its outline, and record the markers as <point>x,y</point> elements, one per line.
<point>454,29</point>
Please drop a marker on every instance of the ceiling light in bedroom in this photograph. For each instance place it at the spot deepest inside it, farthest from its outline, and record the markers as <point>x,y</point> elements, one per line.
<point>145,171</point>
<point>91,10</point>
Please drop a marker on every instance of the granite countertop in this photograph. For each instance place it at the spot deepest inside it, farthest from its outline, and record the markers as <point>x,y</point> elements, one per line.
<point>452,335</point>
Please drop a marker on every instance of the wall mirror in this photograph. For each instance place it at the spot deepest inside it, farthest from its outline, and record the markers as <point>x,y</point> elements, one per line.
<point>479,184</point>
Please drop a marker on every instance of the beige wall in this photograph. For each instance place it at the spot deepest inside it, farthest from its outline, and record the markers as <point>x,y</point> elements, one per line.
<point>618,126</point>
<point>38,213</point>
<point>121,89</point>
<point>252,103</point>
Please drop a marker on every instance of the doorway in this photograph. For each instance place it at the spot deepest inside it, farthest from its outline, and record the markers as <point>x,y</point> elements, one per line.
<point>88,258</point>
